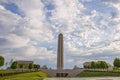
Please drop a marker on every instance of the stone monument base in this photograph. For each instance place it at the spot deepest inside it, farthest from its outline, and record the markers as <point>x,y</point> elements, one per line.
<point>62,73</point>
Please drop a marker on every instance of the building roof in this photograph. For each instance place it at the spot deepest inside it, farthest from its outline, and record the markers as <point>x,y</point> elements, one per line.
<point>87,63</point>
<point>24,62</point>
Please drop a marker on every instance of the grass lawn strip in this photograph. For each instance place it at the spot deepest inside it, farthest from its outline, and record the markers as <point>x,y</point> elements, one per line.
<point>26,76</point>
<point>98,74</point>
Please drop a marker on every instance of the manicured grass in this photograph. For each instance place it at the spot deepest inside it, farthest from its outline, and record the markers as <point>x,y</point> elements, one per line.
<point>99,74</point>
<point>12,71</point>
<point>26,76</point>
<point>6,71</point>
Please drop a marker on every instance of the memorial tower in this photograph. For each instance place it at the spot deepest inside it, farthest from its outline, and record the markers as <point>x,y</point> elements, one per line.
<point>60,51</point>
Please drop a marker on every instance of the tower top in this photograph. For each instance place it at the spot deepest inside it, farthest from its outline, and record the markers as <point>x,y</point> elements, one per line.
<point>61,34</point>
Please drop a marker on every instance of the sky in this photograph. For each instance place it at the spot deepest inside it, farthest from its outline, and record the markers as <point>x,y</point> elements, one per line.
<point>29,30</point>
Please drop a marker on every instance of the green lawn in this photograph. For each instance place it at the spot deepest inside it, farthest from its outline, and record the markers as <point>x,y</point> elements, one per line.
<point>40,75</point>
<point>12,71</point>
<point>26,76</point>
<point>99,74</point>
<point>6,71</point>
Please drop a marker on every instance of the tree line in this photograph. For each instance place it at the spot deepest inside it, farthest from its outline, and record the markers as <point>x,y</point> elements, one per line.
<point>15,65</point>
<point>94,65</point>
<point>103,64</point>
<point>116,63</point>
<point>99,65</point>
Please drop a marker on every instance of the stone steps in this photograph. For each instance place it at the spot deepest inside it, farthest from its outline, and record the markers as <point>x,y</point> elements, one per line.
<point>71,72</point>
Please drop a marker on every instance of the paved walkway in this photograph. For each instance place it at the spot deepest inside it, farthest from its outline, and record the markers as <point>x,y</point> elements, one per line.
<point>107,78</point>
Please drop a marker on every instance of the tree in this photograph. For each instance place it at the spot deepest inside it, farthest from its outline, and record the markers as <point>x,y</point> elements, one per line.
<point>31,66</point>
<point>14,65</point>
<point>116,62</point>
<point>23,66</point>
<point>1,61</point>
<point>103,65</point>
<point>36,66</point>
<point>98,65</point>
<point>93,65</point>
<point>106,65</point>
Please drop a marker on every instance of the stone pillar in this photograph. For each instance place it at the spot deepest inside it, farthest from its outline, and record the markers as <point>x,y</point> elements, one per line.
<point>60,52</point>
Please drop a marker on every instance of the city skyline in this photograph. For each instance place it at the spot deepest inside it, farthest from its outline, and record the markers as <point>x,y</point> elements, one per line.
<point>29,30</point>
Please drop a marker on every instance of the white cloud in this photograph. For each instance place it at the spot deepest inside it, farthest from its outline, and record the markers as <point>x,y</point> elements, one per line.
<point>69,60</point>
<point>12,41</point>
<point>8,21</point>
<point>65,14</point>
<point>43,53</point>
<point>115,4</point>
<point>27,51</point>
<point>2,8</point>
<point>87,30</point>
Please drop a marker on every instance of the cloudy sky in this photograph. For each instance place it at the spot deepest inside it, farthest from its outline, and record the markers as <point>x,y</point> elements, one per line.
<point>29,30</point>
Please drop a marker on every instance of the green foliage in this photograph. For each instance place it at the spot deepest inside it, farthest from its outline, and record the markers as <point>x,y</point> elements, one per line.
<point>36,66</point>
<point>31,66</point>
<point>22,66</point>
<point>26,76</point>
<point>1,61</point>
<point>103,65</point>
<point>93,65</point>
<point>14,65</point>
<point>99,65</point>
<point>116,62</point>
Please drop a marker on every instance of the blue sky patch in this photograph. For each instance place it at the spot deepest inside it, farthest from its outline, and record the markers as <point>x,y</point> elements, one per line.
<point>14,8</point>
<point>98,6</point>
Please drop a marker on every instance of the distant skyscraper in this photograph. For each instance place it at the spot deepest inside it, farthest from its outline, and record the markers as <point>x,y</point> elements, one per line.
<point>60,50</point>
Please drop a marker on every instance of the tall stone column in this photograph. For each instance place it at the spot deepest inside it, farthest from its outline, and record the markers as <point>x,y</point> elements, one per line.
<point>60,52</point>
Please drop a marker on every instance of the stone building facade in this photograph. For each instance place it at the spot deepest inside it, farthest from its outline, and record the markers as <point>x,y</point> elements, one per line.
<point>24,64</point>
